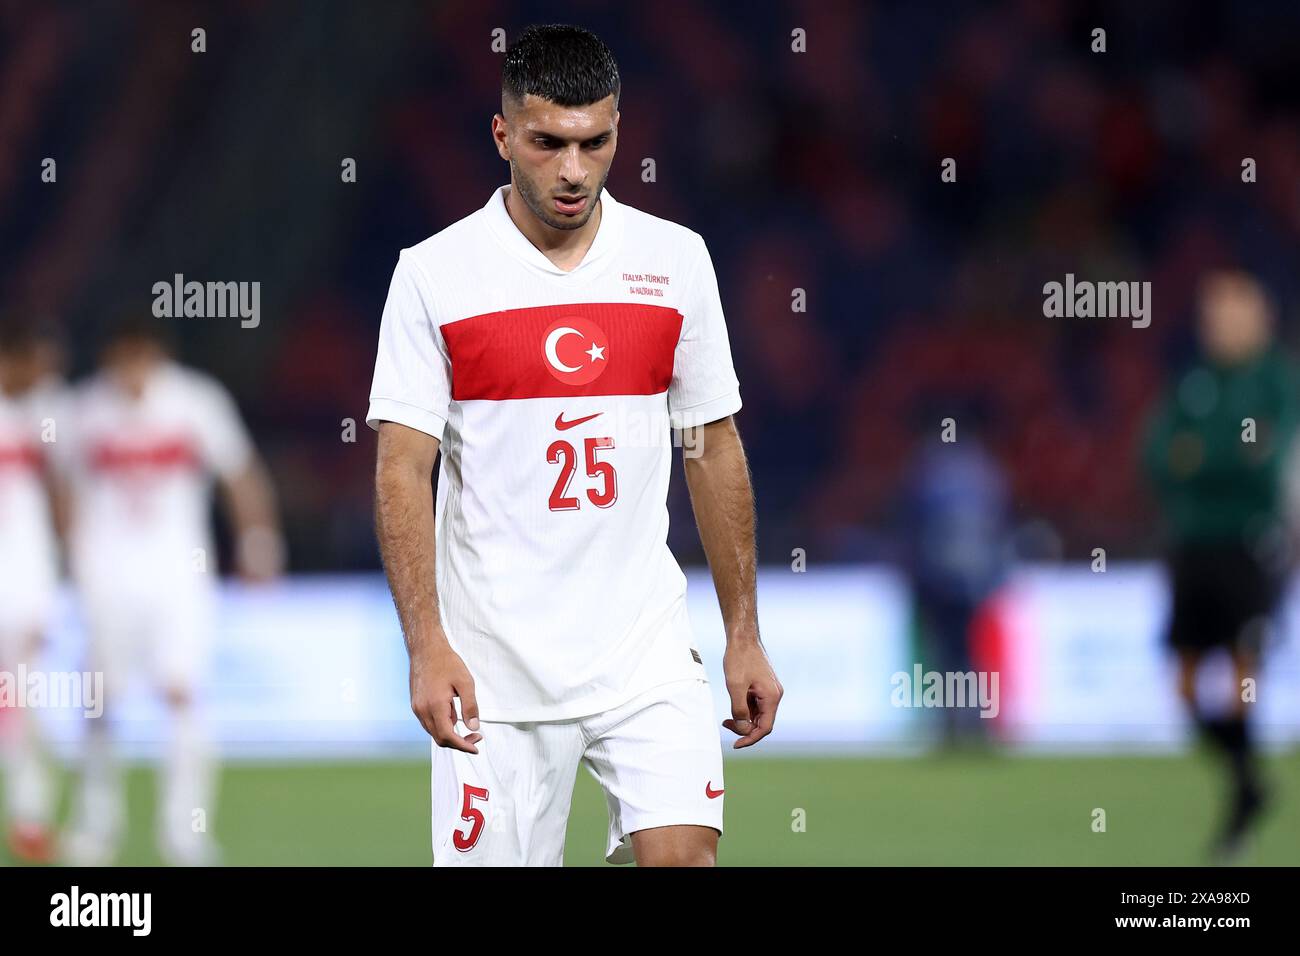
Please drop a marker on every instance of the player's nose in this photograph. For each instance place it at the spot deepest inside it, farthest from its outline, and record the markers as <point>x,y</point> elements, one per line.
<point>571,169</point>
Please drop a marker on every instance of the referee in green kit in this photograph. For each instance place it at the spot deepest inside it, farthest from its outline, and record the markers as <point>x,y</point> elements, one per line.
<point>1214,451</point>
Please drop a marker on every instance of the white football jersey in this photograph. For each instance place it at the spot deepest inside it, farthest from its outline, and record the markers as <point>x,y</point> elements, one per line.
<point>141,471</point>
<point>28,550</point>
<point>553,394</point>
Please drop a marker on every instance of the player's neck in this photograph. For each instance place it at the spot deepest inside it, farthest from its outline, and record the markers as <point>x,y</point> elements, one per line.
<point>564,247</point>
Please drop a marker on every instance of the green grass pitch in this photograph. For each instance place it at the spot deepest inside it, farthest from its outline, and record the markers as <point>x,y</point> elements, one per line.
<point>953,809</point>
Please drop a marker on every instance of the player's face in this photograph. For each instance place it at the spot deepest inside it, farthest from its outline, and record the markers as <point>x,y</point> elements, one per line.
<point>49,357</point>
<point>131,362</point>
<point>559,156</point>
<point>19,370</point>
<point>1234,319</point>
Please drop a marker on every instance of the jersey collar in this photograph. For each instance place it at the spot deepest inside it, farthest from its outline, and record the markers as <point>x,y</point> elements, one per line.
<point>608,236</point>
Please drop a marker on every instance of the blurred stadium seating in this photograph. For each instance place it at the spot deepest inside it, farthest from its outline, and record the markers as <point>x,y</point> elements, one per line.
<point>817,171</point>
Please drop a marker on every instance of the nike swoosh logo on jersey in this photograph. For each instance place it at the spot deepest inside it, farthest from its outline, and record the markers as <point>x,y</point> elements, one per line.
<point>710,792</point>
<point>561,424</point>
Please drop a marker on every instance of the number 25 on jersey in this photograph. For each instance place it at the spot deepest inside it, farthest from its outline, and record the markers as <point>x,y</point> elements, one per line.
<point>603,491</point>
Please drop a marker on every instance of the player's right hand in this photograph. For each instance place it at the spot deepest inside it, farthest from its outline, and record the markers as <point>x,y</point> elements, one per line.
<point>438,676</point>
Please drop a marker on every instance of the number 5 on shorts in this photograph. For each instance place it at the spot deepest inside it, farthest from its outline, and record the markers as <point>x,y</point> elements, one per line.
<point>471,815</point>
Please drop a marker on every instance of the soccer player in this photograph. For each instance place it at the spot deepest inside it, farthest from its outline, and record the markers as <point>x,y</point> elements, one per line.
<point>29,555</point>
<point>1218,478</point>
<point>547,344</point>
<point>146,437</point>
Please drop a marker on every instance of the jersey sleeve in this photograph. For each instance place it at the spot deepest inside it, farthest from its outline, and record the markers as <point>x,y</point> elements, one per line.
<point>223,439</point>
<point>412,383</point>
<point>704,387</point>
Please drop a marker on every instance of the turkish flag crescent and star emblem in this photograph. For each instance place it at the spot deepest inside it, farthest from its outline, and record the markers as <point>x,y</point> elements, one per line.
<point>562,351</point>
<point>575,350</point>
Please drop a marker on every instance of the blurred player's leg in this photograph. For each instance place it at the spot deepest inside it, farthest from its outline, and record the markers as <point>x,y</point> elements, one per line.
<point>1223,602</point>
<point>99,811</point>
<point>98,822</point>
<point>181,639</point>
<point>1231,732</point>
<point>186,791</point>
<point>29,791</point>
<point>28,555</point>
<point>946,623</point>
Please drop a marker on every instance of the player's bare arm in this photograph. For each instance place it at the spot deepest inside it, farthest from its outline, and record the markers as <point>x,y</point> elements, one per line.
<point>404,524</point>
<point>250,501</point>
<point>723,499</point>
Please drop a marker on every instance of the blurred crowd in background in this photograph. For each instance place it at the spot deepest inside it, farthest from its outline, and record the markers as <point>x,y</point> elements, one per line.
<point>816,170</point>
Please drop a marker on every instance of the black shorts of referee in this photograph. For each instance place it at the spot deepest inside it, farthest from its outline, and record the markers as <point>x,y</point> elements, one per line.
<point>1224,595</point>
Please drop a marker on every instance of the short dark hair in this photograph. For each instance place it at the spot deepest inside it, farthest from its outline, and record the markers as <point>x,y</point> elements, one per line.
<point>567,65</point>
<point>26,329</point>
<point>134,325</point>
<point>18,335</point>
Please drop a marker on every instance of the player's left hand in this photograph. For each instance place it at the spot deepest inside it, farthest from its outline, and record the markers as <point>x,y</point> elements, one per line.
<point>754,690</point>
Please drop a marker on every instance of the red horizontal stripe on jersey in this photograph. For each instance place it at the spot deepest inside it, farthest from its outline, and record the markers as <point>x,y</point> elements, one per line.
<point>22,456</point>
<point>500,355</point>
<point>171,453</point>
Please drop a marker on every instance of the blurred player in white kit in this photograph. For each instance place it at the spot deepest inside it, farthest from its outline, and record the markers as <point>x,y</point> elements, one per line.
<point>147,436</point>
<point>29,397</point>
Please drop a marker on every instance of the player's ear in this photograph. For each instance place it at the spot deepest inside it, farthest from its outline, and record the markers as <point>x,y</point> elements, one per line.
<point>501,135</point>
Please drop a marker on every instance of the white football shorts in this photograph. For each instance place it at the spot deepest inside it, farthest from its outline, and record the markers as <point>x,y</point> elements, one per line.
<point>657,757</point>
<point>27,599</point>
<point>165,639</point>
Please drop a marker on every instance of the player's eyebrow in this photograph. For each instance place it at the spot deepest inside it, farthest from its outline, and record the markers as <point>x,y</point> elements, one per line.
<point>543,134</point>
